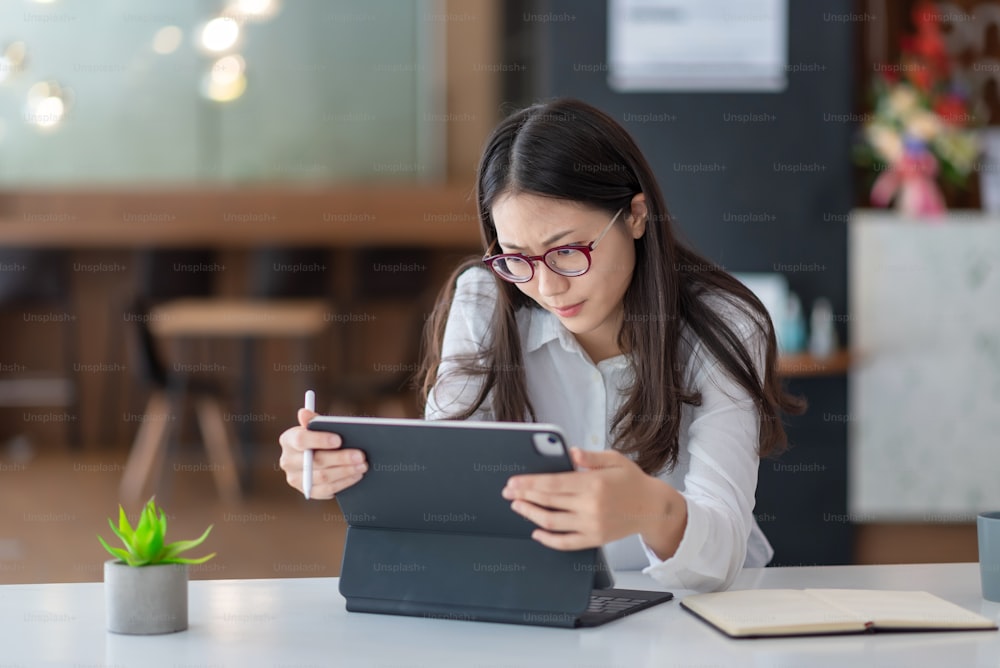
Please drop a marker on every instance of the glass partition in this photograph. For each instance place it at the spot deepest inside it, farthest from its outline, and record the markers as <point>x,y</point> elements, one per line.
<point>144,92</point>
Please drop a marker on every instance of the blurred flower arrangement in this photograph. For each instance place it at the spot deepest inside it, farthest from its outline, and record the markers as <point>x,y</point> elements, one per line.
<point>921,132</point>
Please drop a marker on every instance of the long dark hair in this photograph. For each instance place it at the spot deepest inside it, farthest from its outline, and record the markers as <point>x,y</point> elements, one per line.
<point>567,149</point>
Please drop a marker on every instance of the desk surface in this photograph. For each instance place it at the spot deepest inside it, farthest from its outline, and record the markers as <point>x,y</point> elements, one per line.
<point>302,622</point>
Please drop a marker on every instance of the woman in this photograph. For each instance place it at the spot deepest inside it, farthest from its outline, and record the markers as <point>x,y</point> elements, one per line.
<point>586,312</point>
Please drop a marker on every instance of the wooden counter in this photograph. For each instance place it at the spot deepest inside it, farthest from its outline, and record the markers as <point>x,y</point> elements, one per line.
<point>437,216</point>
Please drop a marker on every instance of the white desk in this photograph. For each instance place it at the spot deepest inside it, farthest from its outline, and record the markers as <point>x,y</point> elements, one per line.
<point>302,622</point>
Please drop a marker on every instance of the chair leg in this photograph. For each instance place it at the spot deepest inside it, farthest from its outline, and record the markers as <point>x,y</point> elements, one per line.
<point>71,350</point>
<point>147,449</point>
<point>220,447</point>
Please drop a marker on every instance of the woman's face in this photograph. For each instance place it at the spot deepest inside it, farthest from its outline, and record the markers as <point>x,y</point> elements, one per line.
<point>590,306</point>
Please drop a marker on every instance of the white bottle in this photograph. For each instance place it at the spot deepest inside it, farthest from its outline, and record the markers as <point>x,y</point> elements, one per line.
<point>792,338</point>
<point>822,335</point>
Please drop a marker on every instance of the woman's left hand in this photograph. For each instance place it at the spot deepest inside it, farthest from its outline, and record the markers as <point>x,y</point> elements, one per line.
<point>610,499</point>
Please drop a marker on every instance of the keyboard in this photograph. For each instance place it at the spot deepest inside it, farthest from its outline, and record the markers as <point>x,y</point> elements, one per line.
<point>612,603</point>
<point>608,604</point>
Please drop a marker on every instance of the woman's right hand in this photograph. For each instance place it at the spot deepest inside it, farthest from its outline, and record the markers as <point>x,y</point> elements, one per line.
<point>334,469</point>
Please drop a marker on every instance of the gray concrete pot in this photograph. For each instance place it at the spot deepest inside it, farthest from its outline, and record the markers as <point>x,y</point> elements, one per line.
<point>143,600</point>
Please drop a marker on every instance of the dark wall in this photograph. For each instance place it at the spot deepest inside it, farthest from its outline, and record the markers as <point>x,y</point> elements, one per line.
<point>771,195</point>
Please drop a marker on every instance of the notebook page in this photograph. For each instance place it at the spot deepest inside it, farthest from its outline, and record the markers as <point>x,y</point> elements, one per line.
<point>902,609</point>
<point>772,612</point>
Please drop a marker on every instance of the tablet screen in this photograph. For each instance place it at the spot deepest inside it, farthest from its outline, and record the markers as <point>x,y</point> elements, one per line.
<point>443,475</point>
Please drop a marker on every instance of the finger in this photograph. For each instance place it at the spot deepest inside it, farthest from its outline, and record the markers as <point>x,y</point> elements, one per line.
<point>327,490</point>
<point>564,541</point>
<point>543,499</point>
<point>549,520</point>
<point>330,479</point>
<point>293,478</point>
<point>300,438</point>
<point>290,461</point>
<point>325,459</point>
<point>305,415</point>
<point>569,482</point>
<point>330,491</point>
<point>335,473</point>
<point>328,440</point>
<point>327,475</point>
<point>587,459</point>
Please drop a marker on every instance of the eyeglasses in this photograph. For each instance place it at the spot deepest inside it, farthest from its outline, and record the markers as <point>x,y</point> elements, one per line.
<point>569,260</point>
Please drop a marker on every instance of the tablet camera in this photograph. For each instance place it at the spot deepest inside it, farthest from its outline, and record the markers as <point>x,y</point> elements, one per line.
<point>548,444</point>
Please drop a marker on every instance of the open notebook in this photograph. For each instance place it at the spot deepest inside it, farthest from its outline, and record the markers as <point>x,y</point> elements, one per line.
<point>755,613</point>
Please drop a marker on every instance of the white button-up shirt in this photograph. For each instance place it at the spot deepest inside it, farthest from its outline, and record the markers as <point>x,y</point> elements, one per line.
<point>717,462</point>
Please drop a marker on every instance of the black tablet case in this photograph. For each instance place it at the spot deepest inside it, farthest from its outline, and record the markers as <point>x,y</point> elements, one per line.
<point>430,535</point>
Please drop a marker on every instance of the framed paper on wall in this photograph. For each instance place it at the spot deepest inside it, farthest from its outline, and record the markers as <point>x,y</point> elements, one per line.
<point>683,45</point>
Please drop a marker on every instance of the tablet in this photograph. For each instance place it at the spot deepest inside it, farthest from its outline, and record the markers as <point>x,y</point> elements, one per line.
<point>445,475</point>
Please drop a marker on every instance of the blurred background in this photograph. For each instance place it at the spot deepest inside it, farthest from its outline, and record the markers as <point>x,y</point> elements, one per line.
<point>208,207</point>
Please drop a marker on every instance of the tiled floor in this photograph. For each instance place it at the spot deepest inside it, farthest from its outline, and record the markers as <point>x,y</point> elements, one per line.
<point>54,503</point>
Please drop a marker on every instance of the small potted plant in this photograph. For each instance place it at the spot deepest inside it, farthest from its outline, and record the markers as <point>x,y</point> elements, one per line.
<point>146,584</point>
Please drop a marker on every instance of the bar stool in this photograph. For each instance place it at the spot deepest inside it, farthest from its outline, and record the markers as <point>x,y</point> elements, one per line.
<point>177,306</point>
<point>205,318</point>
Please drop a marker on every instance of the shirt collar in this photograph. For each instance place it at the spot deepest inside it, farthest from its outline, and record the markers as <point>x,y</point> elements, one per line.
<point>544,327</point>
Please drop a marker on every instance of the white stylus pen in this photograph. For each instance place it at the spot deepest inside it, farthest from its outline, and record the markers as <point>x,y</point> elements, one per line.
<point>307,456</point>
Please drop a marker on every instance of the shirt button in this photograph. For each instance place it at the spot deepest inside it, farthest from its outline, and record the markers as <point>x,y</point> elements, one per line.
<point>593,440</point>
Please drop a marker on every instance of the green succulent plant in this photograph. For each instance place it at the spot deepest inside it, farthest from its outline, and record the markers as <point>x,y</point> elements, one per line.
<point>145,545</point>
